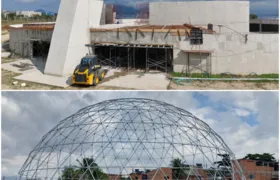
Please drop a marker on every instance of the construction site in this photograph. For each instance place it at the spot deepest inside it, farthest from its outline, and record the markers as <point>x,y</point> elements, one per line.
<point>166,38</point>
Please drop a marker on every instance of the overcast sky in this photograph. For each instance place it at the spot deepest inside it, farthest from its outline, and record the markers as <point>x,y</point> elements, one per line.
<point>247,121</point>
<point>260,7</point>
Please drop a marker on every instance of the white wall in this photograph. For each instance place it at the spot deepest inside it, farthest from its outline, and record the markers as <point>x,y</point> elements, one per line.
<point>19,39</point>
<point>71,33</point>
<point>233,14</point>
<point>28,13</point>
<point>232,54</point>
<point>192,63</point>
<point>230,51</point>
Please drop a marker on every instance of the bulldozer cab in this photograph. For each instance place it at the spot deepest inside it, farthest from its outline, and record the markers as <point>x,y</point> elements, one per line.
<point>89,61</point>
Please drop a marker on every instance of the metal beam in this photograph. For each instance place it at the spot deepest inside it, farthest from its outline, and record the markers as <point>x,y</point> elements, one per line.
<point>136,34</point>
<point>167,34</point>
<point>153,33</point>
<point>129,34</point>
<point>141,33</point>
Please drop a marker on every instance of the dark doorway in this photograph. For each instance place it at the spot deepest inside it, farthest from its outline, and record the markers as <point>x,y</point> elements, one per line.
<point>41,49</point>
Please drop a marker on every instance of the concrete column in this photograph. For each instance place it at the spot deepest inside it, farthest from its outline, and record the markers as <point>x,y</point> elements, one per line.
<point>30,49</point>
<point>71,33</point>
<point>260,26</point>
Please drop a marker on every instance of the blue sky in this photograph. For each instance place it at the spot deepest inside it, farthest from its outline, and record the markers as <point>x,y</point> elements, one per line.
<point>260,7</point>
<point>247,121</point>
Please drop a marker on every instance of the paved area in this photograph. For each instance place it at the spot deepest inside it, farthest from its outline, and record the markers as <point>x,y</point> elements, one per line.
<point>39,77</point>
<point>27,64</point>
<point>111,72</point>
<point>32,71</point>
<point>142,81</point>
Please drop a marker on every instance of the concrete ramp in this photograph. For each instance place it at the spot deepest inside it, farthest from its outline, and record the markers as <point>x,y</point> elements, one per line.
<point>71,33</point>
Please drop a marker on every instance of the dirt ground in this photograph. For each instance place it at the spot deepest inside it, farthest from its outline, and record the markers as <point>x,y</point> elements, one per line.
<point>235,85</point>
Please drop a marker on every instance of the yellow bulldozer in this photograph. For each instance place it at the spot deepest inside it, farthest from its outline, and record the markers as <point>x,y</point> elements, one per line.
<point>88,72</point>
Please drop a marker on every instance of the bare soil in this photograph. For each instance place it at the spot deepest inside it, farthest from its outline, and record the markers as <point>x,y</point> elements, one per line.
<point>235,85</point>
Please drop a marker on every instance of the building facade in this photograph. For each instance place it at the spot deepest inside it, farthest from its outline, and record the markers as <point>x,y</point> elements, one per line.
<point>164,44</point>
<point>28,13</point>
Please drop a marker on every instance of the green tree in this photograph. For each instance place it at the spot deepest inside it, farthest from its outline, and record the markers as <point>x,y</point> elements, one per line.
<point>261,157</point>
<point>11,16</point>
<point>179,168</point>
<point>69,173</point>
<point>87,169</point>
<point>90,170</point>
<point>253,16</point>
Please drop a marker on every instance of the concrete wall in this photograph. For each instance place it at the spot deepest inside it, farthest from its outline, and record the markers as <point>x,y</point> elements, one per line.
<point>71,33</point>
<point>103,15</point>
<point>232,54</point>
<point>20,40</point>
<point>109,14</point>
<point>233,14</point>
<point>190,63</point>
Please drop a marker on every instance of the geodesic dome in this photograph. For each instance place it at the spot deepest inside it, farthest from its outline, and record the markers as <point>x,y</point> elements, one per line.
<point>131,139</point>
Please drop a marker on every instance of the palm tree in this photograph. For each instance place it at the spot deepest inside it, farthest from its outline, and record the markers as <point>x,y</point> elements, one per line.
<point>90,170</point>
<point>87,169</point>
<point>178,168</point>
<point>69,173</point>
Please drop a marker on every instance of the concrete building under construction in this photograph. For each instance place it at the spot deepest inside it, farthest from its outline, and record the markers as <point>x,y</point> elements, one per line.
<point>188,37</point>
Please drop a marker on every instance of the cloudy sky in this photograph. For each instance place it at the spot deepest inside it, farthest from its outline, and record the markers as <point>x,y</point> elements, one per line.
<point>263,8</point>
<point>247,121</point>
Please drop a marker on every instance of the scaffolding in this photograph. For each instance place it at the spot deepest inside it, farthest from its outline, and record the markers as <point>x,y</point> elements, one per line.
<point>154,59</point>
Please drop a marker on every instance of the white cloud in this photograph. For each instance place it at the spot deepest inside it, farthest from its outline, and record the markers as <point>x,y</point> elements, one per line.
<point>10,107</point>
<point>242,112</point>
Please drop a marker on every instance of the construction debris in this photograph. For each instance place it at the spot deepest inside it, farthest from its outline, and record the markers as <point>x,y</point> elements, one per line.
<point>23,85</point>
<point>5,54</point>
<point>23,66</point>
<point>15,82</point>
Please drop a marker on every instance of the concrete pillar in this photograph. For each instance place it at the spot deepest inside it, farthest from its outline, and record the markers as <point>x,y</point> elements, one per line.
<point>30,49</point>
<point>71,33</point>
<point>260,26</point>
